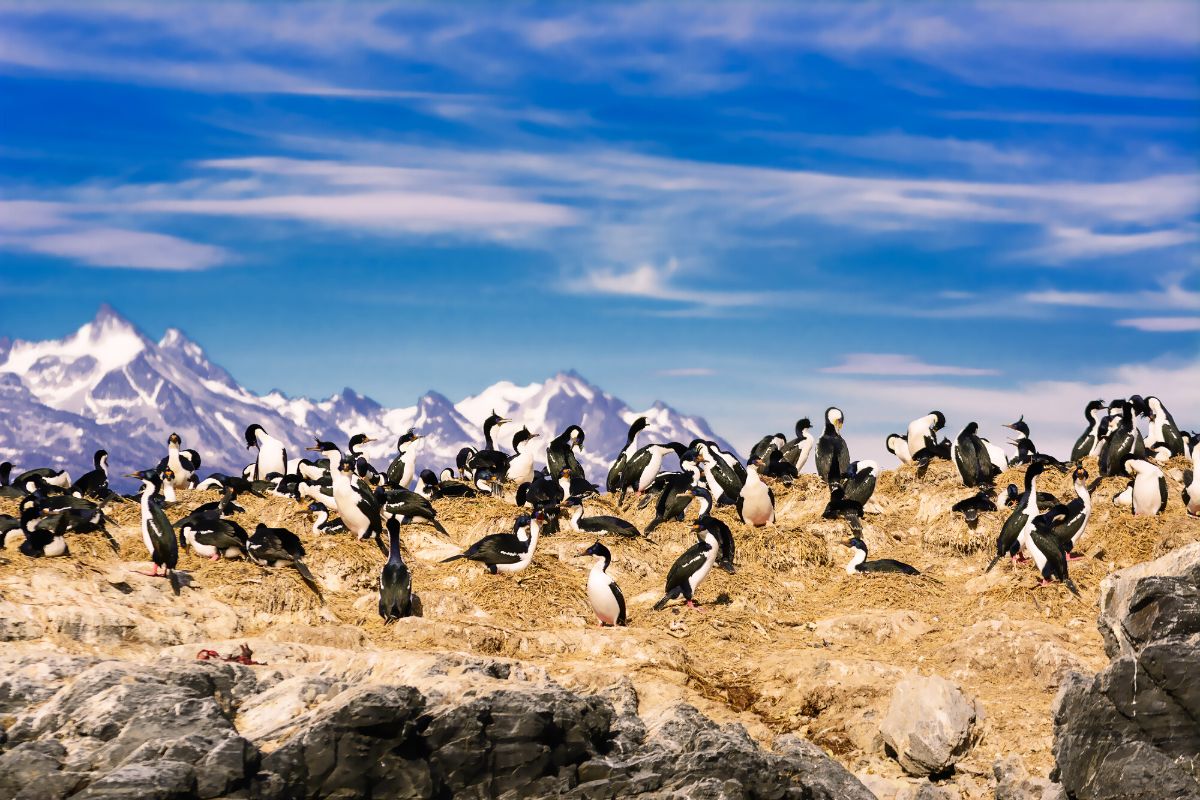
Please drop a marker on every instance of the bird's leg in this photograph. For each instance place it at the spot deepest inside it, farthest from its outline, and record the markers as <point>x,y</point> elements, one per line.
<point>215,557</point>
<point>1075,557</point>
<point>1043,583</point>
<point>694,604</point>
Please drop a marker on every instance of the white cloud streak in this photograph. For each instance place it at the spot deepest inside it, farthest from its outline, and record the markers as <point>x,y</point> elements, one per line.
<point>898,364</point>
<point>1162,324</point>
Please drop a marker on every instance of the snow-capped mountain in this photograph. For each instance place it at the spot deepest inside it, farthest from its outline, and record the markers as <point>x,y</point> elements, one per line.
<point>110,386</point>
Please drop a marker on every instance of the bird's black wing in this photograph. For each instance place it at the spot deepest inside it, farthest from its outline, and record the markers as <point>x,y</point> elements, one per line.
<point>620,598</point>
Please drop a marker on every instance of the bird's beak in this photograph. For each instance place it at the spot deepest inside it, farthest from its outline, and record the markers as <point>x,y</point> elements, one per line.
<point>314,449</point>
<point>132,475</point>
<point>503,421</point>
<point>838,424</point>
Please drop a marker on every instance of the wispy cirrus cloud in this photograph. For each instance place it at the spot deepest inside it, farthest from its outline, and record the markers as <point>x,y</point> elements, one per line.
<point>1162,324</point>
<point>663,283</point>
<point>686,372</point>
<point>51,229</point>
<point>899,364</point>
<point>1171,296</point>
<point>1073,244</point>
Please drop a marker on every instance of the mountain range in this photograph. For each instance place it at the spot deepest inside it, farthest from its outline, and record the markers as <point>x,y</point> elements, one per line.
<point>110,386</point>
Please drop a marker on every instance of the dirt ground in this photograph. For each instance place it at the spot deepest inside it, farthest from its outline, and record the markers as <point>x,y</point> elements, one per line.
<point>790,643</point>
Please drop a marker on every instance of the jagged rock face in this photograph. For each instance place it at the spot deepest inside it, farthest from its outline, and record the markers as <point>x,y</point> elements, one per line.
<point>930,724</point>
<point>1133,730</point>
<point>179,729</point>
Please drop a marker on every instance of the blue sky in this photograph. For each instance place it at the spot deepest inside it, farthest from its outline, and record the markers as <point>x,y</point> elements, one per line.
<point>749,211</point>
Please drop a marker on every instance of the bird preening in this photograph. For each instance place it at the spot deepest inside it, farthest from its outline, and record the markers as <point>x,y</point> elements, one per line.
<point>697,490</point>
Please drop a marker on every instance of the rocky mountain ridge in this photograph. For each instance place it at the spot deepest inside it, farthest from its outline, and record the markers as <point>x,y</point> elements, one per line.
<point>110,386</point>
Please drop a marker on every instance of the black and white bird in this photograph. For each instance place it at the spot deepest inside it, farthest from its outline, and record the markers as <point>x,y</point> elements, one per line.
<point>272,456</point>
<point>488,459</point>
<point>1149,496</point>
<point>602,591</point>
<point>94,484</point>
<point>691,568</point>
<point>674,491</point>
<point>981,502</point>
<point>922,433</point>
<point>897,445</point>
<point>1074,515</point>
<point>859,481</point>
<point>1047,549</point>
<point>279,547</point>
<point>41,542</point>
<point>724,535</point>
<point>720,476</point>
<point>212,537</point>
<point>58,478</point>
<point>520,466</point>
<point>183,463</point>
<point>1089,442</point>
<point>972,458</point>
<point>356,503</point>
<point>403,468</point>
<point>600,524</point>
<point>1016,528</point>
<point>1191,478</point>
<point>616,473</point>
<point>858,561</point>
<point>506,553</point>
<point>157,533</point>
<point>560,452</point>
<point>756,502</point>
<point>322,522</point>
<point>798,450</point>
<point>1124,442</point>
<point>644,465</point>
<point>407,506</point>
<point>833,456</point>
<point>395,581</point>
<point>1164,436</point>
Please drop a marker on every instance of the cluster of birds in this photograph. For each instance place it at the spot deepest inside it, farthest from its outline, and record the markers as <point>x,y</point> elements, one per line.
<point>368,501</point>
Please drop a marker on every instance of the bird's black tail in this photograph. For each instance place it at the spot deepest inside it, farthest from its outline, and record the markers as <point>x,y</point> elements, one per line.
<point>855,523</point>
<point>654,523</point>
<point>995,561</point>
<point>307,575</point>
<point>173,576</point>
<point>1071,585</point>
<point>668,597</point>
<point>439,527</point>
<point>972,515</point>
<point>452,558</point>
<point>111,541</point>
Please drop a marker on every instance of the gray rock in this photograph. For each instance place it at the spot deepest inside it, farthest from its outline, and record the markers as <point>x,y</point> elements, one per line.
<point>1013,782</point>
<point>365,743</point>
<point>28,763</point>
<point>1133,730</point>
<point>930,724</point>
<point>164,780</point>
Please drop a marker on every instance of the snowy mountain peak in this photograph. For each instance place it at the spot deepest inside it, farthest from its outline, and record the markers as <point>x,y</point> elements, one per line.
<point>108,385</point>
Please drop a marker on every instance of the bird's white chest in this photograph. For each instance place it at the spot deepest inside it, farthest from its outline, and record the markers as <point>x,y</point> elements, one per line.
<point>806,446</point>
<point>1146,497</point>
<point>709,557</point>
<point>520,469</point>
<point>649,473</point>
<point>756,503</point>
<point>526,558</point>
<point>600,595</point>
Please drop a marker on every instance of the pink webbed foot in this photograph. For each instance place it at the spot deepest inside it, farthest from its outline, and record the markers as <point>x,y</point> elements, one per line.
<point>215,557</point>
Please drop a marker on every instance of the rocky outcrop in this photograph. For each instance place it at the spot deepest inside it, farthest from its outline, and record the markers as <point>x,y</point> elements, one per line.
<point>89,728</point>
<point>1133,730</point>
<point>930,724</point>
